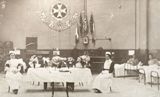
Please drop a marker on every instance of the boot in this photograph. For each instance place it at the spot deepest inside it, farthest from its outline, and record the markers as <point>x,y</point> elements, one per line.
<point>15,91</point>
<point>110,89</point>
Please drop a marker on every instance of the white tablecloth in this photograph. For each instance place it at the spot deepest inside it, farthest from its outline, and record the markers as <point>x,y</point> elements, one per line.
<point>75,75</point>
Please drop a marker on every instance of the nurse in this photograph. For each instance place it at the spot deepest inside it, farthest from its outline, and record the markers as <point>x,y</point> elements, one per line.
<point>103,81</point>
<point>13,75</point>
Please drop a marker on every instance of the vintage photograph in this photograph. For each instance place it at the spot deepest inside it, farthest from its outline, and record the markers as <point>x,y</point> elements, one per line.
<point>79,48</point>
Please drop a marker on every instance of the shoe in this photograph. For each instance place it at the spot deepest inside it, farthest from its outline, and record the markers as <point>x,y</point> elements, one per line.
<point>110,89</point>
<point>15,91</point>
<point>97,91</point>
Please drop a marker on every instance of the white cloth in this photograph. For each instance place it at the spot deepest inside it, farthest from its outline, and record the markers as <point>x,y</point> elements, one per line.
<point>59,75</point>
<point>119,69</point>
<point>31,64</point>
<point>78,65</point>
<point>103,81</point>
<point>148,69</point>
<point>82,75</point>
<point>13,76</point>
<point>130,67</point>
<point>107,64</point>
<point>46,60</point>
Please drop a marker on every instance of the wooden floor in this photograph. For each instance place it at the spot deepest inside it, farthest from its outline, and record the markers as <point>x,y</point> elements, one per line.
<point>128,87</point>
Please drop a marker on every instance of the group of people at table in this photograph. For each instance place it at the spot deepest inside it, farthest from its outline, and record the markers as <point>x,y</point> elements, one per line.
<point>101,84</point>
<point>14,65</point>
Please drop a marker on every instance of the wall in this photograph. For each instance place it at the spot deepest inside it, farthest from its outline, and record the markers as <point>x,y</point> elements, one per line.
<point>113,18</point>
<point>154,22</point>
<point>22,19</point>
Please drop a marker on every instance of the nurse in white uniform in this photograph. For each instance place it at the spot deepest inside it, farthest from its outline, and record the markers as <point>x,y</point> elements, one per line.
<point>103,81</point>
<point>13,75</point>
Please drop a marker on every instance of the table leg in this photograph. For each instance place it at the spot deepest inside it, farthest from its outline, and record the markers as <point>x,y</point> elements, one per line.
<point>67,89</point>
<point>45,85</point>
<point>38,83</point>
<point>52,88</point>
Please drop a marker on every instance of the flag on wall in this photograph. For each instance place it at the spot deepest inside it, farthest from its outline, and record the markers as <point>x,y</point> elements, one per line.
<point>85,25</point>
<point>77,34</point>
<point>80,25</point>
<point>92,28</point>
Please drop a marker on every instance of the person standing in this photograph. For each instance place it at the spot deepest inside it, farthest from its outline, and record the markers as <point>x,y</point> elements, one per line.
<point>13,76</point>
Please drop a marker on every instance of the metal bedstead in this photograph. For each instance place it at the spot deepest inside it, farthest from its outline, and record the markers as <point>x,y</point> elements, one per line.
<point>155,74</point>
<point>128,67</point>
<point>142,73</point>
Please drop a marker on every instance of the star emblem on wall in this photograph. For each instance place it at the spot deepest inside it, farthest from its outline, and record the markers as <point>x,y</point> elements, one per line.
<point>59,11</point>
<point>57,17</point>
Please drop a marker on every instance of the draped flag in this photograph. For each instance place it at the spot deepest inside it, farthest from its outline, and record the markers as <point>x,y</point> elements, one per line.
<point>85,25</point>
<point>80,24</point>
<point>77,34</point>
<point>92,28</point>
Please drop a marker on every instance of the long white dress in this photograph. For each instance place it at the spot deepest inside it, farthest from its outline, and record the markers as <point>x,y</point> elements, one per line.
<point>104,80</point>
<point>13,75</point>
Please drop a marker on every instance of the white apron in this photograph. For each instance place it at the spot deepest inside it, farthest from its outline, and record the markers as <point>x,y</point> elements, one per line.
<point>103,81</point>
<point>13,76</point>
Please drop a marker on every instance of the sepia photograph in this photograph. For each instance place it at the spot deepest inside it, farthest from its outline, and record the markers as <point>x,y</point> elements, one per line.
<point>79,48</point>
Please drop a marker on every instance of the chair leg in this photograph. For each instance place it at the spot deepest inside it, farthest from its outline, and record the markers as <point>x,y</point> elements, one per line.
<point>158,83</point>
<point>144,79</point>
<point>139,78</point>
<point>151,81</point>
<point>38,83</point>
<point>110,89</point>
<point>8,89</point>
<point>124,73</point>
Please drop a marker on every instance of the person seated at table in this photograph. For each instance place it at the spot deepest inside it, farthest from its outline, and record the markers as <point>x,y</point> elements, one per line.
<point>13,75</point>
<point>57,61</point>
<point>46,61</point>
<point>70,62</point>
<point>33,62</point>
<point>79,63</point>
<point>133,60</point>
<point>152,61</point>
<point>103,81</point>
<point>86,60</point>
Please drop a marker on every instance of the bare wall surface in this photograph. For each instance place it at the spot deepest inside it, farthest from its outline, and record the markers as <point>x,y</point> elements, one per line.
<point>114,19</point>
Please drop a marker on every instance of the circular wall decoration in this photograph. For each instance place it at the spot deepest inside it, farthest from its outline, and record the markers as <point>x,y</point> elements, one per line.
<point>58,17</point>
<point>59,11</point>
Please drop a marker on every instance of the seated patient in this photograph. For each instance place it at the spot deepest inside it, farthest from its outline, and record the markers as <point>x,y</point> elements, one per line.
<point>58,61</point>
<point>103,81</point>
<point>152,61</point>
<point>70,62</point>
<point>79,63</point>
<point>46,61</point>
<point>33,62</point>
<point>86,60</point>
<point>133,60</point>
